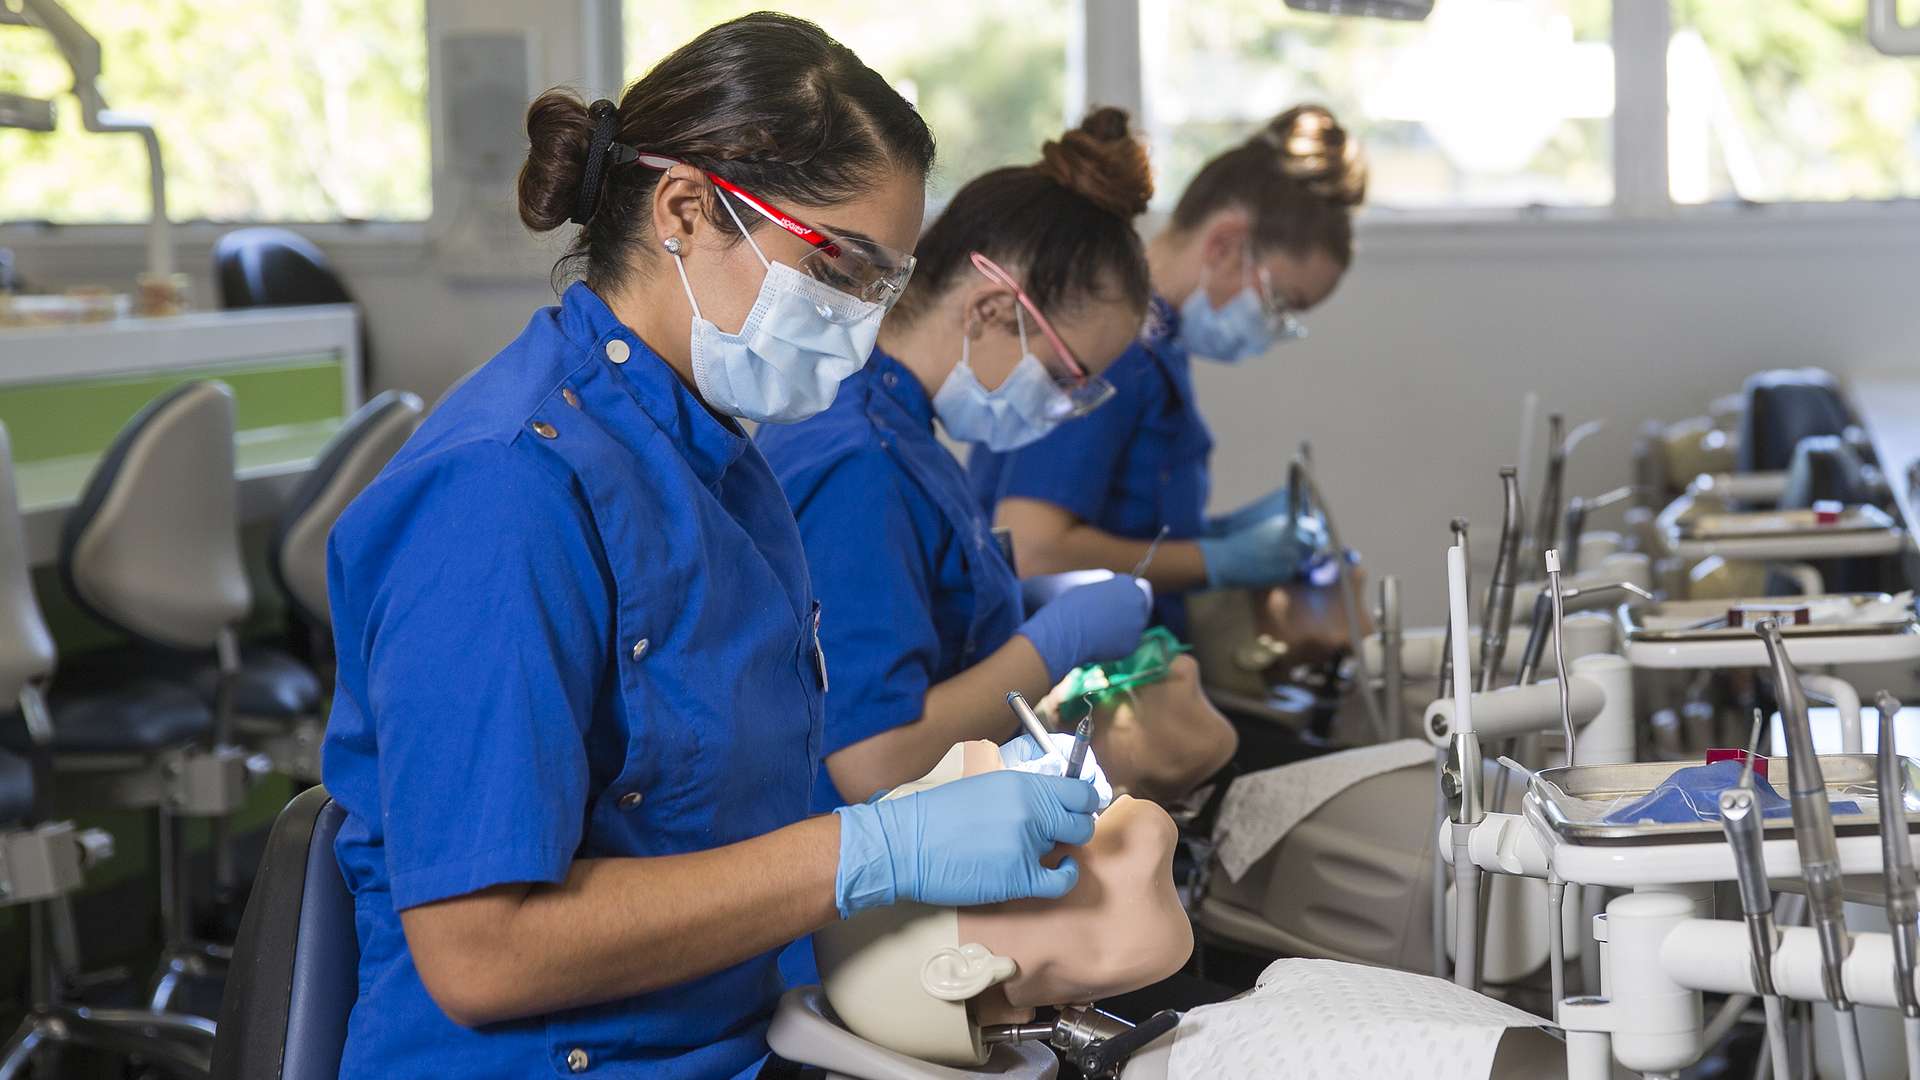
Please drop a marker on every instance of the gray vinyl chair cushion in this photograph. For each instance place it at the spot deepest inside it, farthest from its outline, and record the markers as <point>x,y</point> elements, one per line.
<point>154,546</point>
<point>26,648</point>
<point>354,456</point>
<point>296,962</point>
<point>16,788</point>
<point>269,684</point>
<point>144,717</point>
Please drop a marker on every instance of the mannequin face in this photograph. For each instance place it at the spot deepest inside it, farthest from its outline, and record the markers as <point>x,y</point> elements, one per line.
<point>1163,739</point>
<point>1311,619</point>
<point>1120,928</point>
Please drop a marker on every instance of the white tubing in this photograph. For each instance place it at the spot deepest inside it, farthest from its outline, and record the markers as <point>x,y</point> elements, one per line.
<point>1466,886</point>
<point>1439,869</point>
<point>1847,700</point>
<point>1457,601</point>
<point>1912,1025</point>
<point>1850,1060</point>
<point>1724,1020</point>
<point>1777,1054</point>
<point>1557,942</point>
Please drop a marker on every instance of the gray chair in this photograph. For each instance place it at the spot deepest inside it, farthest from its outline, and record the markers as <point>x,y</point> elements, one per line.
<point>153,550</point>
<point>42,862</point>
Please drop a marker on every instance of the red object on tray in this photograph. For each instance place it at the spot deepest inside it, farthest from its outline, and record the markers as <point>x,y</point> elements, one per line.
<point>1730,753</point>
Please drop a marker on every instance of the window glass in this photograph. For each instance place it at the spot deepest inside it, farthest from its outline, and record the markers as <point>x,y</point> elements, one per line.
<point>1786,101</point>
<point>1486,103</point>
<point>988,75</point>
<point>294,110</point>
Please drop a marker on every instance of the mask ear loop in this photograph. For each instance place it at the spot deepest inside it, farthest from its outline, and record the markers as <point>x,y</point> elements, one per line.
<point>1020,321</point>
<point>728,203</point>
<point>672,244</point>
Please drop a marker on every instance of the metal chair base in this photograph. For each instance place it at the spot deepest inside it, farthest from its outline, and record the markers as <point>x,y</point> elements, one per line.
<point>181,1046</point>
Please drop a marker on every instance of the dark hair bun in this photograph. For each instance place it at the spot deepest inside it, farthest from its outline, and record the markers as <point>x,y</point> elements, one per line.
<point>1316,151</point>
<point>1103,162</point>
<point>559,130</point>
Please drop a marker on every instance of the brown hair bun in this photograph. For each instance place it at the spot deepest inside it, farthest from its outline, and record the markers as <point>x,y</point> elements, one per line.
<point>558,131</point>
<point>1103,162</point>
<point>1316,151</point>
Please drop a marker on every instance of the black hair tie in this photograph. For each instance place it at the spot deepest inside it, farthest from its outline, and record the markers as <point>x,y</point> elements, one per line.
<point>606,116</point>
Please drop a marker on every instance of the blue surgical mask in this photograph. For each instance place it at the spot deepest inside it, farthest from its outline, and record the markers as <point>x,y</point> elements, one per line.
<point>1240,328</point>
<point>1020,411</point>
<point>799,342</point>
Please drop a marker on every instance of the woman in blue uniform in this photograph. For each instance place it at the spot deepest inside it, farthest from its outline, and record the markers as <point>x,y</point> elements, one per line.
<point>1262,234</point>
<point>579,703</point>
<point>1029,283</point>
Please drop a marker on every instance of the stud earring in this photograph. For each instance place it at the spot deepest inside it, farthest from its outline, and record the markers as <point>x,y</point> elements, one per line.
<point>672,244</point>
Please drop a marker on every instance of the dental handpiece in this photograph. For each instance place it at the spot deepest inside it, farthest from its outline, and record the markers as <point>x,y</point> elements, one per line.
<point>1029,720</point>
<point>1082,736</point>
<point>1740,818</point>
<point>1559,647</point>
<point>1546,520</point>
<point>1499,618</point>
<point>1812,819</point>
<point>1536,645</point>
<point>1896,857</point>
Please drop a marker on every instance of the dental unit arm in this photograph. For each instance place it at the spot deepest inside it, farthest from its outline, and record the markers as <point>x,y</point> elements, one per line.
<point>82,53</point>
<point>1814,836</point>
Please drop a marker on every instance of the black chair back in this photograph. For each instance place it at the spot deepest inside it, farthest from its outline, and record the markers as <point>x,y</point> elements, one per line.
<point>268,267</point>
<point>1784,407</point>
<point>296,963</point>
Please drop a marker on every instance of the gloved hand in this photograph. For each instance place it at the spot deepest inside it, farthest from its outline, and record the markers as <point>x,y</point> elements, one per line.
<point>1272,504</point>
<point>975,841</point>
<point>1271,551</point>
<point>1025,754</point>
<point>1101,621</point>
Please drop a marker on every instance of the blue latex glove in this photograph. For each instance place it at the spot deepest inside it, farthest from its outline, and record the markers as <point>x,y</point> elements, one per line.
<point>1271,551</point>
<point>1272,504</point>
<point>1088,625</point>
<point>1027,755</point>
<point>975,841</point>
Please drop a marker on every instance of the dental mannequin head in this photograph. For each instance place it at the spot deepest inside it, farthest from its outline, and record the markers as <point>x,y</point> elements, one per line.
<point>922,981</point>
<point>766,102</point>
<point>1159,740</point>
<point>1062,232</point>
<point>1273,215</point>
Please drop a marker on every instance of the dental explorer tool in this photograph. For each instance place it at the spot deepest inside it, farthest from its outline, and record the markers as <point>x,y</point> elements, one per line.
<point>1813,835</point>
<point>1896,862</point>
<point>1461,780</point>
<point>1082,735</point>
<point>1459,527</point>
<point>1140,568</point>
<point>1499,618</point>
<point>1741,820</point>
<point>1559,649</point>
<point>1029,720</point>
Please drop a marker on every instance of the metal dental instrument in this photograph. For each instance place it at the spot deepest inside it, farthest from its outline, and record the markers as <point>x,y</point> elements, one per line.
<point>1547,514</point>
<point>1031,721</point>
<point>1140,568</point>
<point>1741,819</point>
<point>1097,1043</point>
<point>1559,650</point>
<point>1896,862</point>
<point>1577,511</point>
<point>1499,617</point>
<point>1543,613</point>
<point>1459,527</point>
<point>1813,835</point>
<point>1461,779</point>
<point>1082,735</point>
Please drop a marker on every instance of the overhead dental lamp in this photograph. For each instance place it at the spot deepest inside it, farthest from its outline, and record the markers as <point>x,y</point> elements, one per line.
<point>82,53</point>
<point>1409,10</point>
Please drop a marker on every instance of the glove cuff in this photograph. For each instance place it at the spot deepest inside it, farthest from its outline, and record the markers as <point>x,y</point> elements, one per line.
<point>865,877</point>
<point>1056,670</point>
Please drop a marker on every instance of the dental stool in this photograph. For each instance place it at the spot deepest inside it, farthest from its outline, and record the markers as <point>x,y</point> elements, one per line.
<point>153,551</point>
<point>277,700</point>
<point>43,862</point>
<point>265,266</point>
<point>296,963</point>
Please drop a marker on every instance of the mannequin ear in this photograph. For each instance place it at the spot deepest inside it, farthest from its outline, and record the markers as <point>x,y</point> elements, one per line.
<point>965,972</point>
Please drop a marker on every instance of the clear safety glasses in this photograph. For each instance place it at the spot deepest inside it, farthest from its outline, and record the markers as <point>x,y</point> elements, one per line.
<point>1083,391</point>
<point>1286,326</point>
<point>859,267</point>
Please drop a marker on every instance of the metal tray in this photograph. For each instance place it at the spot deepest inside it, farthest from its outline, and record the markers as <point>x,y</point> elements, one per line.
<point>1835,615</point>
<point>1562,792</point>
<point>1773,524</point>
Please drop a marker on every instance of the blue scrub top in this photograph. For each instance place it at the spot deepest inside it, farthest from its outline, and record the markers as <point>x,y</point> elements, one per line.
<point>1131,466</point>
<point>574,621</point>
<point>913,588</point>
